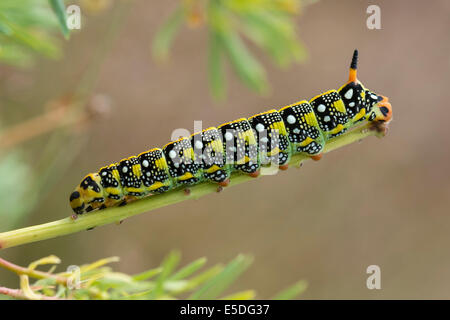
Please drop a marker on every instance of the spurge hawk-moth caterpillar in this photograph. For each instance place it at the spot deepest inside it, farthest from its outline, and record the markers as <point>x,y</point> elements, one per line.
<point>240,145</point>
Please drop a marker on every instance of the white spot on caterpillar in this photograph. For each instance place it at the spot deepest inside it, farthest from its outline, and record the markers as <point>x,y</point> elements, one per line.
<point>326,119</point>
<point>296,131</point>
<point>145,163</point>
<point>104,173</point>
<point>349,94</point>
<point>259,127</point>
<point>172,154</point>
<point>321,108</point>
<point>125,169</point>
<point>228,136</point>
<point>290,119</point>
<point>264,140</point>
<point>198,144</point>
<point>374,96</point>
<point>351,104</point>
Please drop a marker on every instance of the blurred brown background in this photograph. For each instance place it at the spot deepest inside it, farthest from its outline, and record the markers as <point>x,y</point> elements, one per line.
<point>383,201</point>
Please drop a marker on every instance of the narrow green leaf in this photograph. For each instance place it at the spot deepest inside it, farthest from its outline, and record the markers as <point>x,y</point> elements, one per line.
<point>60,11</point>
<point>147,274</point>
<point>174,286</point>
<point>279,40</point>
<point>38,42</point>
<point>166,34</point>
<point>292,291</point>
<point>266,38</point>
<point>216,285</point>
<point>216,74</point>
<point>196,281</point>
<point>115,284</point>
<point>189,269</point>
<point>168,265</point>
<point>245,65</point>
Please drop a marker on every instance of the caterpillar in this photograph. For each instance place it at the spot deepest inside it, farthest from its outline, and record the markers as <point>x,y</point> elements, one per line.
<point>240,145</point>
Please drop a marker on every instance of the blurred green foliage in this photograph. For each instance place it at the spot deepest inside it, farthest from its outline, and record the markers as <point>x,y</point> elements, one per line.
<point>60,11</point>
<point>26,174</point>
<point>98,281</point>
<point>28,27</point>
<point>269,24</point>
<point>16,176</point>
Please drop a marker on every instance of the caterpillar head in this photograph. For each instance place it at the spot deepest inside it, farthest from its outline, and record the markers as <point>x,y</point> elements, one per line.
<point>361,103</point>
<point>88,195</point>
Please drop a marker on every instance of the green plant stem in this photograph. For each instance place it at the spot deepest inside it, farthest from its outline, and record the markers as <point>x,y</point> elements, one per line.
<point>18,294</point>
<point>30,272</point>
<point>117,214</point>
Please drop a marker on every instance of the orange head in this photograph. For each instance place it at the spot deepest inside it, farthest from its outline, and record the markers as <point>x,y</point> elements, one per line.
<point>383,110</point>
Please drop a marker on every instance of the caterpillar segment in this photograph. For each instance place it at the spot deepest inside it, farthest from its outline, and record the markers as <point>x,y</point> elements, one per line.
<point>273,141</point>
<point>354,97</point>
<point>184,169</point>
<point>130,179</point>
<point>331,113</point>
<point>210,155</point>
<point>110,182</point>
<point>303,129</point>
<point>155,173</point>
<point>240,145</point>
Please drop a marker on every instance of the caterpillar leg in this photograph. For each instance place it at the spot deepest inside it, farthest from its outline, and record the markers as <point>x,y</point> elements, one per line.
<point>284,167</point>
<point>123,203</point>
<point>255,174</point>
<point>224,183</point>
<point>317,157</point>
